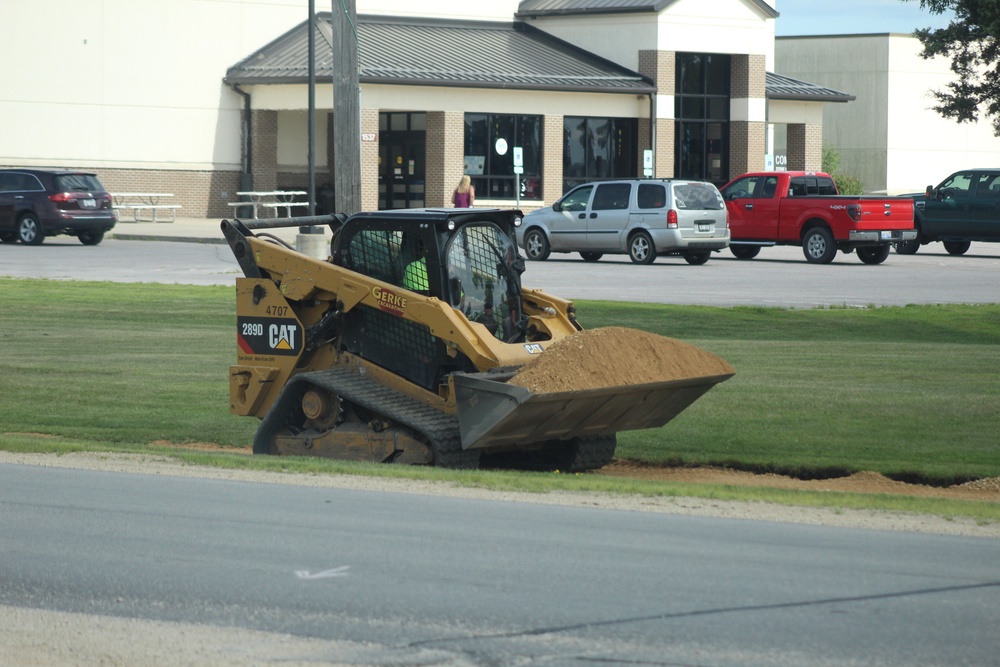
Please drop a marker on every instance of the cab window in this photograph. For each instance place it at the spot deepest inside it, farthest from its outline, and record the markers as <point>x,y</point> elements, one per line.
<point>959,185</point>
<point>576,200</point>
<point>989,186</point>
<point>743,188</point>
<point>612,196</point>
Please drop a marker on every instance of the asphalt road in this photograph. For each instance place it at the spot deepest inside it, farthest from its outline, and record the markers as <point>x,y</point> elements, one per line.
<point>778,277</point>
<point>388,578</point>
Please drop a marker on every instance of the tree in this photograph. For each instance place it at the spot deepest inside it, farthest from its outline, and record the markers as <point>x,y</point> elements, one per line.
<point>972,42</point>
<point>846,184</point>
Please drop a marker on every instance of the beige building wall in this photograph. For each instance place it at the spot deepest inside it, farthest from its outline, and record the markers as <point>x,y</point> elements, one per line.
<point>717,26</point>
<point>133,90</point>
<point>890,137</point>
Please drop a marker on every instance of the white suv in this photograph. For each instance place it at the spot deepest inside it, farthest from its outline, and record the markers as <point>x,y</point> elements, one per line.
<point>643,218</point>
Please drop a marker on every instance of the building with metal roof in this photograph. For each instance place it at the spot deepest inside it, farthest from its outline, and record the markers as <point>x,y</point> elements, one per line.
<point>211,97</point>
<point>578,110</point>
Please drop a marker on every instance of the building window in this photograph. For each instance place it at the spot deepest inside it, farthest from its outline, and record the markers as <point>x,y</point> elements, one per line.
<point>490,162</point>
<point>701,110</point>
<point>776,158</point>
<point>596,148</point>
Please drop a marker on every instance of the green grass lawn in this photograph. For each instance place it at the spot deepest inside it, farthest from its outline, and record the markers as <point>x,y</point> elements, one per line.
<point>909,391</point>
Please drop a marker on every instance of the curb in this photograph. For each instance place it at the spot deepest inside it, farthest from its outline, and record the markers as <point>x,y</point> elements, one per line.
<point>154,237</point>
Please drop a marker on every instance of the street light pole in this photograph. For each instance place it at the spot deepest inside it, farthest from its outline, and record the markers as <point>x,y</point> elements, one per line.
<point>312,107</point>
<point>311,240</point>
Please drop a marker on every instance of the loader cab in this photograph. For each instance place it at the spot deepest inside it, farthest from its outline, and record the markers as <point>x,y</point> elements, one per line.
<point>466,258</point>
<point>483,278</point>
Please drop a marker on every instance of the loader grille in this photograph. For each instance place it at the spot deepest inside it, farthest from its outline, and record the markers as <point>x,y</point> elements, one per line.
<point>406,348</point>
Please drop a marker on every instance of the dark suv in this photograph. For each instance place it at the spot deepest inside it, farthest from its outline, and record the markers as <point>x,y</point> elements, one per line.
<point>36,203</point>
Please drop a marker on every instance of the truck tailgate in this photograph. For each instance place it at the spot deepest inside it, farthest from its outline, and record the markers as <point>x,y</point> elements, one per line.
<point>885,213</point>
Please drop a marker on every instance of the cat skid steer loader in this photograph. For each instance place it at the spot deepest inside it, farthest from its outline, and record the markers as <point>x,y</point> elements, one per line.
<point>405,346</point>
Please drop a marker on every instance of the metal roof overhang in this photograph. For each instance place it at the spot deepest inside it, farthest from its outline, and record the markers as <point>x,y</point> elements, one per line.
<point>408,52</point>
<point>541,8</point>
<point>806,97</point>
<point>435,82</point>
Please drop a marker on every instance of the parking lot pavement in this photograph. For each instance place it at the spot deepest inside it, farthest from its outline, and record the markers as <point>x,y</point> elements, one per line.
<point>778,277</point>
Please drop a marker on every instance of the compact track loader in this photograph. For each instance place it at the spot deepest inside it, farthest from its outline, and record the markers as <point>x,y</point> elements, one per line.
<point>407,343</point>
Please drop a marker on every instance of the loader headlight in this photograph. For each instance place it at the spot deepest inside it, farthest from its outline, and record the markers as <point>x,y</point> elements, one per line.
<point>517,221</point>
<point>451,225</point>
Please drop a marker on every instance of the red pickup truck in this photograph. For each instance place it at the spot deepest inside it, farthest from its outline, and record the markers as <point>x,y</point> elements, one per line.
<point>803,208</point>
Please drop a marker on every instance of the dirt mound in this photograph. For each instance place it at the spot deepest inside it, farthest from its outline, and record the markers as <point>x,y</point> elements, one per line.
<point>860,482</point>
<point>615,357</point>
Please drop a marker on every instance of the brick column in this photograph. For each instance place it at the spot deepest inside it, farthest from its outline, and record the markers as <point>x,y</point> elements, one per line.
<point>746,147</point>
<point>445,141</point>
<point>264,154</point>
<point>661,67</point>
<point>805,147</point>
<point>552,159</point>
<point>748,123</point>
<point>369,160</point>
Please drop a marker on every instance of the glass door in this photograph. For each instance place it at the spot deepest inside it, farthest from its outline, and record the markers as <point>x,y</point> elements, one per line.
<point>402,160</point>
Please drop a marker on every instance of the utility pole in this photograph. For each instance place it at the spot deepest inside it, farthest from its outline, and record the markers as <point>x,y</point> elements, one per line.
<point>346,109</point>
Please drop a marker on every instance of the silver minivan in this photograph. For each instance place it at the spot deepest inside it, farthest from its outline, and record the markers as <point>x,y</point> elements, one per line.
<point>643,218</point>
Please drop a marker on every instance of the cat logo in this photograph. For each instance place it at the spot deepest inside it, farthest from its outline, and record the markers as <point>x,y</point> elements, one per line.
<point>269,336</point>
<point>282,337</point>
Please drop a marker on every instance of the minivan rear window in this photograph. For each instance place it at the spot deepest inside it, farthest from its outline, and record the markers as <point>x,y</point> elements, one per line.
<point>651,195</point>
<point>697,196</point>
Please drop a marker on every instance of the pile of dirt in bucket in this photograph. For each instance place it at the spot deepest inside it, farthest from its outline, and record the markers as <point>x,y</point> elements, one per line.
<point>615,357</point>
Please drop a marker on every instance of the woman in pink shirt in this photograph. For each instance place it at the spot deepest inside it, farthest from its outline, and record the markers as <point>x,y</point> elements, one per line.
<point>464,195</point>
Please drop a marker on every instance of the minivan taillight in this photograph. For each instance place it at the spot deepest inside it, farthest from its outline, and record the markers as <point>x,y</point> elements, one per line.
<point>671,219</point>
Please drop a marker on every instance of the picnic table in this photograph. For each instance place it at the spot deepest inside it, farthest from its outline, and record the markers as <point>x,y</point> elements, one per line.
<point>272,199</point>
<point>141,202</point>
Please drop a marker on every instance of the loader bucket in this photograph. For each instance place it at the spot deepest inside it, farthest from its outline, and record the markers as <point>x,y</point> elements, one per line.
<point>493,413</point>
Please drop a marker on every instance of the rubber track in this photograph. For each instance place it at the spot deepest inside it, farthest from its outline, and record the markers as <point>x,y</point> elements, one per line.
<point>593,453</point>
<point>440,428</point>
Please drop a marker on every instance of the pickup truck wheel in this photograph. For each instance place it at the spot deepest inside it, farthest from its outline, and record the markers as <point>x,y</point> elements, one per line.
<point>874,254</point>
<point>591,256</point>
<point>818,246</point>
<point>640,248</point>
<point>536,246</point>
<point>908,247</point>
<point>957,247</point>
<point>696,258</point>
<point>744,251</point>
